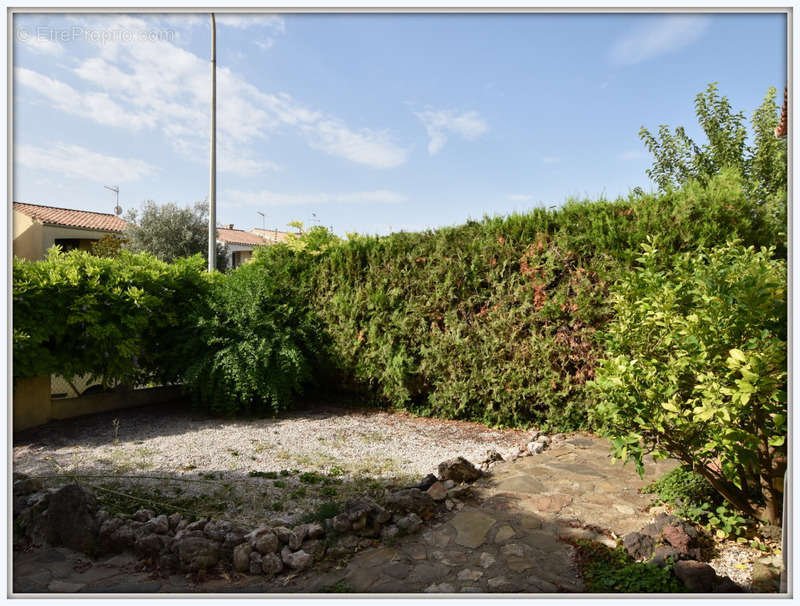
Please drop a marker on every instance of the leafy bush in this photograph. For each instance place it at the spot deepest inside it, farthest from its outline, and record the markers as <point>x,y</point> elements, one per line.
<point>113,318</point>
<point>256,342</point>
<point>695,369</point>
<point>608,570</point>
<point>693,498</point>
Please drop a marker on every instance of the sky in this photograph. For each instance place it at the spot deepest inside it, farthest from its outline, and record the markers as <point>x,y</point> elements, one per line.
<point>367,123</point>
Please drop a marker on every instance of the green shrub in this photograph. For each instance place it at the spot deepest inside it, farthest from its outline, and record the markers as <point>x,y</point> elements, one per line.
<point>695,369</point>
<point>693,498</point>
<point>113,318</point>
<point>257,341</point>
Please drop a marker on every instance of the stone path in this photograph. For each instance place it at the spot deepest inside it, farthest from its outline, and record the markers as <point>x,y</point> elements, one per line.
<point>507,538</point>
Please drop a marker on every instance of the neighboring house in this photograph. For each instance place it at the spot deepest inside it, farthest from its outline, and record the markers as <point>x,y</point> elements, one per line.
<point>272,236</point>
<point>38,227</point>
<point>240,244</point>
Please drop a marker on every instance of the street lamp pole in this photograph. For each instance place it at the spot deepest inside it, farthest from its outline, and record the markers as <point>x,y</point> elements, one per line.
<point>212,193</point>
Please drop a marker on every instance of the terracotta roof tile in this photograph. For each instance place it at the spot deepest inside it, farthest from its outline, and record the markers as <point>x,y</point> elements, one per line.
<point>272,236</point>
<point>67,217</point>
<point>239,236</point>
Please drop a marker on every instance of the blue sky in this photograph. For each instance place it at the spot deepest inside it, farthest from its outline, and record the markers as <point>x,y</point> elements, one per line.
<point>372,122</point>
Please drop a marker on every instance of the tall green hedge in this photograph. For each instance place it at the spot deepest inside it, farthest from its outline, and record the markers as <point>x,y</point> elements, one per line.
<point>496,320</point>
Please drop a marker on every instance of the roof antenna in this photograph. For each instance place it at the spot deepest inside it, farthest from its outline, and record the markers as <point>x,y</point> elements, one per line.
<point>117,207</point>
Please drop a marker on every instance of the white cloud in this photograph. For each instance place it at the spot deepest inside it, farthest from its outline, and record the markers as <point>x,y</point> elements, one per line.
<point>96,106</point>
<point>659,36</point>
<point>247,20</point>
<point>41,45</point>
<point>76,161</point>
<point>157,84</point>
<point>265,44</point>
<point>232,161</point>
<point>440,123</point>
<point>270,198</point>
<point>366,146</point>
<point>520,197</point>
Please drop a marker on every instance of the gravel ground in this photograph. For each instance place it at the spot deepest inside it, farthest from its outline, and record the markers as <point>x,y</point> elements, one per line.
<point>736,561</point>
<point>351,451</point>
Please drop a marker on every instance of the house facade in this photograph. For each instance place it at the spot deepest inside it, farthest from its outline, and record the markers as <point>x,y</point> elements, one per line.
<point>240,243</point>
<point>38,227</point>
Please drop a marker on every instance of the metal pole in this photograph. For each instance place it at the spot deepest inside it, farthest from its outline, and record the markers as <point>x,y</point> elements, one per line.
<point>212,193</point>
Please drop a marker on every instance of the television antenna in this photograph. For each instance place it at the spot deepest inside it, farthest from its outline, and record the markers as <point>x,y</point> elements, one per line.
<point>262,219</point>
<point>314,218</point>
<point>117,207</point>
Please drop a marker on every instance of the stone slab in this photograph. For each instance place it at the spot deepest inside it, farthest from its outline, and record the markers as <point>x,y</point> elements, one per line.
<point>471,526</point>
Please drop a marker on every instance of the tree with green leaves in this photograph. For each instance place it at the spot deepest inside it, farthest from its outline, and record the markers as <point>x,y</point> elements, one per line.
<point>170,232</point>
<point>761,161</point>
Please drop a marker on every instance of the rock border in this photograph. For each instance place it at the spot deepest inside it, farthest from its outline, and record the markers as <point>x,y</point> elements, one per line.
<point>69,516</point>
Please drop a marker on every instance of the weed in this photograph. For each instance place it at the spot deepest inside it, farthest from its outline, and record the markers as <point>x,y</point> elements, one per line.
<point>310,477</point>
<point>279,484</point>
<point>298,493</point>
<point>322,512</point>
<point>340,586</point>
<point>608,570</point>
<point>263,474</point>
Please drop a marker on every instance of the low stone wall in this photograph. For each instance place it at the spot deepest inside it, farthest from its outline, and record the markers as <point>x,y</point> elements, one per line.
<point>70,516</point>
<point>33,405</point>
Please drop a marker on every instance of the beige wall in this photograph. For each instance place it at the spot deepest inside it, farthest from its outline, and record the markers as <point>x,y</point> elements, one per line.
<point>27,237</point>
<point>32,238</point>
<point>33,405</point>
<point>244,256</point>
<point>31,402</point>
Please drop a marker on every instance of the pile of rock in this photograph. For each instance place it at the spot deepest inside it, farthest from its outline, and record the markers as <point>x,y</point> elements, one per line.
<point>453,483</point>
<point>671,538</point>
<point>535,443</point>
<point>491,458</point>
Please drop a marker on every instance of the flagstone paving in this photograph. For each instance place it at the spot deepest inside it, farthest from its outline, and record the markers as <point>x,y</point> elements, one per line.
<point>507,538</point>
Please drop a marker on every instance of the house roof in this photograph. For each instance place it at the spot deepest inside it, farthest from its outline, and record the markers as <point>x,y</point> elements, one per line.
<point>239,236</point>
<point>272,236</point>
<point>780,130</point>
<point>67,217</point>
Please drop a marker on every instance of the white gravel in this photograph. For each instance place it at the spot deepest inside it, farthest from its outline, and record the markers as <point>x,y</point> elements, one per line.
<point>357,446</point>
